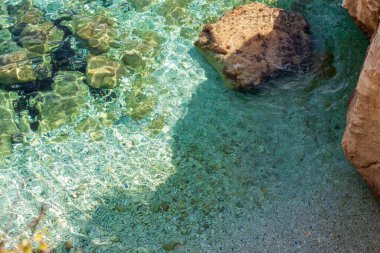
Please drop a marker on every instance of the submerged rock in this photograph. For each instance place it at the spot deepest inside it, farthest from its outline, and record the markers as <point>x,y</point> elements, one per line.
<point>170,246</point>
<point>41,38</point>
<point>23,67</point>
<point>103,73</point>
<point>61,105</point>
<point>29,17</point>
<point>253,42</point>
<point>361,141</point>
<point>97,32</point>
<point>16,68</point>
<point>366,13</point>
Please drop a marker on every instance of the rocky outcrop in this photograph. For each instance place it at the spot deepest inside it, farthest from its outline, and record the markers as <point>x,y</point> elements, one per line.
<point>253,42</point>
<point>365,12</point>
<point>361,141</point>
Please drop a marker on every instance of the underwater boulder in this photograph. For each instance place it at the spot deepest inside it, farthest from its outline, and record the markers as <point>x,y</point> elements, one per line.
<point>41,38</point>
<point>103,73</point>
<point>8,127</point>
<point>134,60</point>
<point>148,44</point>
<point>253,42</point>
<point>23,67</point>
<point>97,32</point>
<point>30,17</point>
<point>16,68</point>
<point>61,105</point>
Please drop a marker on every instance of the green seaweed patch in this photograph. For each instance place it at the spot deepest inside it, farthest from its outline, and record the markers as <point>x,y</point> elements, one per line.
<point>61,138</point>
<point>170,246</point>
<point>107,118</point>
<point>142,5</point>
<point>140,105</point>
<point>188,33</point>
<point>133,59</point>
<point>157,124</point>
<point>91,126</point>
<point>175,12</point>
<point>163,206</point>
<point>148,44</point>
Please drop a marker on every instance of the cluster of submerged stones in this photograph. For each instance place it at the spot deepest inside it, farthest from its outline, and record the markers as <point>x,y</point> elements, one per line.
<point>45,79</point>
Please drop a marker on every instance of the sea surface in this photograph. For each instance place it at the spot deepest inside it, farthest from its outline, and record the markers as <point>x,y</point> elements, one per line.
<point>188,164</point>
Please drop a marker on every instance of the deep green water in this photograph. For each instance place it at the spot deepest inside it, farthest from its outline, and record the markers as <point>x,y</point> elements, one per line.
<point>210,168</point>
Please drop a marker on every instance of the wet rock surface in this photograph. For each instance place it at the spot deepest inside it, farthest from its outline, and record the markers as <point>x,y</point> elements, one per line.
<point>253,42</point>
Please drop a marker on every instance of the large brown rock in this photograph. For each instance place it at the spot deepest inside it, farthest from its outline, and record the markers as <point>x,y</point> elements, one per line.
<point>365,12</point>
<point>252,42</point>
<point>361,141</point>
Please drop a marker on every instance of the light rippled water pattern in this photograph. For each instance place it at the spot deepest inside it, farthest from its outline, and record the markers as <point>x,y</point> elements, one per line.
<point>223,171</point>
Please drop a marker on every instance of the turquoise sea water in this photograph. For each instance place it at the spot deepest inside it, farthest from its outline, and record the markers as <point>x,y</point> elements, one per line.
<point>207,168</point>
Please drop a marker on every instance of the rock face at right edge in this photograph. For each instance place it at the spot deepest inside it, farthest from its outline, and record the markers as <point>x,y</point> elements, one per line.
<point>365,12</point>
<point>361,141</point>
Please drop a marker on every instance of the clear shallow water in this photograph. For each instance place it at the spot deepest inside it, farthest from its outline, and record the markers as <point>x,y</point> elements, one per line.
<point>228,171</point>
